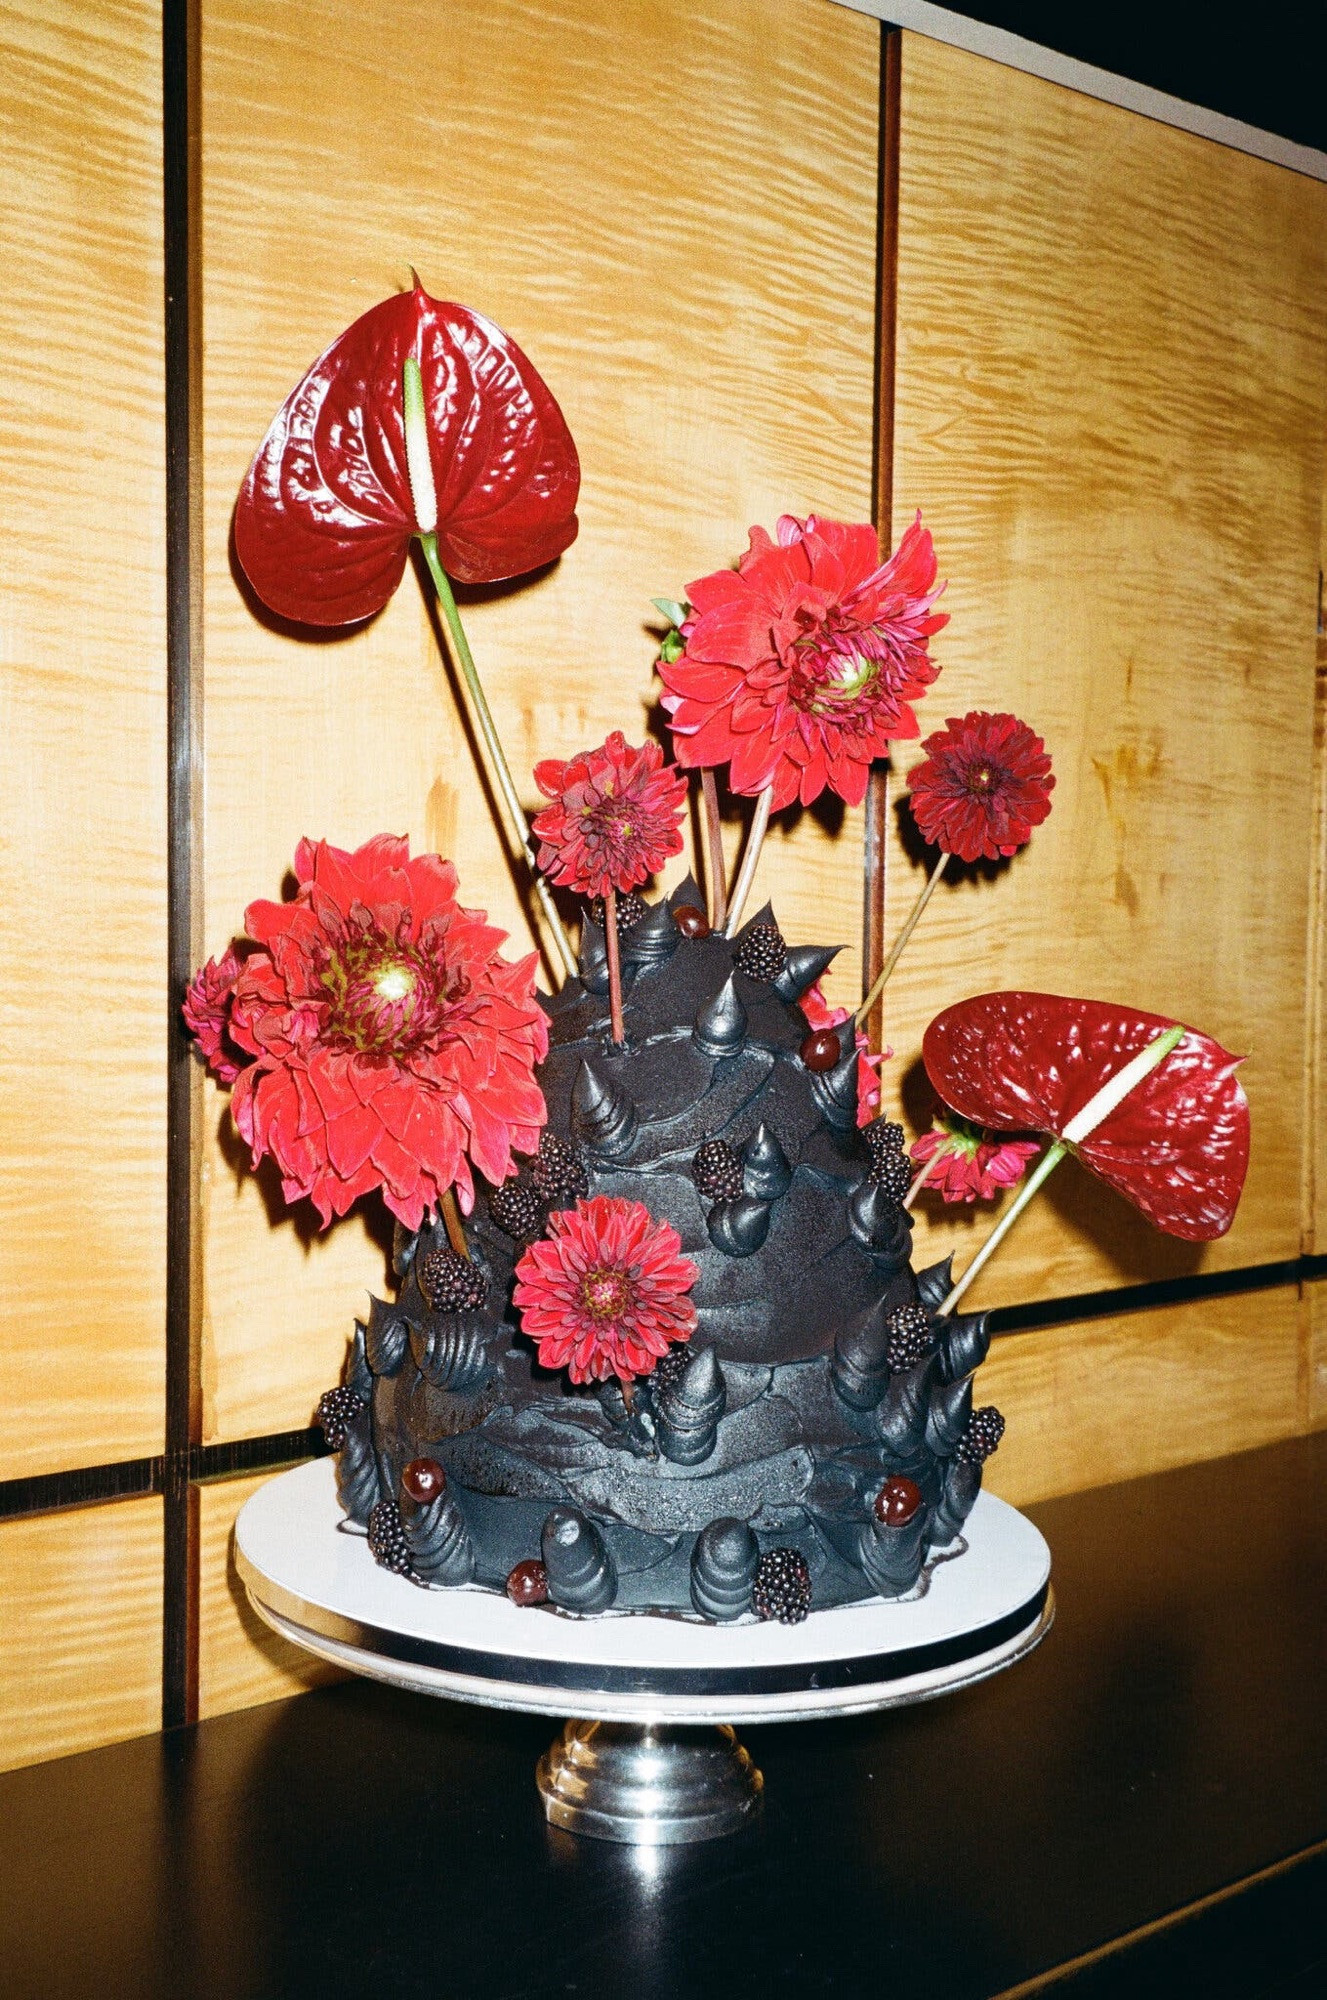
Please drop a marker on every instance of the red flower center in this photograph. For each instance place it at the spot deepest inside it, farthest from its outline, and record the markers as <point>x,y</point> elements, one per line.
<point>385,996</point>
<point>981,780</point>
<point>605,1293</point>
<point>835,663</point>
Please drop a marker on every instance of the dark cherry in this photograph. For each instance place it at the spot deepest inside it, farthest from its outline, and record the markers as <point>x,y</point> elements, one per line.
<point>898,1500</point>
<point>821,1049</point>
<point>528,1583</point>
<point>692,923</point>
<point>423,1479</point>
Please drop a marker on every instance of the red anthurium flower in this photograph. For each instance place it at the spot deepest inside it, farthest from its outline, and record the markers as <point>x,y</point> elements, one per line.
<point>819,1014</point>
<point>384,1042</point>
<point>616,816</point>
<point>1178,1144</point>
<point>605,1293</point>
<point>325,515</point>
<point>800,665</point>
<point>985,783</point>
<point>973,1165</point>
<point>206,1013</point>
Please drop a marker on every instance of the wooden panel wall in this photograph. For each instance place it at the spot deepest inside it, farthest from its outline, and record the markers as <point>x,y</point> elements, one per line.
<point>715,364</point>
<point>1112,351</point>
<point>82,723</point>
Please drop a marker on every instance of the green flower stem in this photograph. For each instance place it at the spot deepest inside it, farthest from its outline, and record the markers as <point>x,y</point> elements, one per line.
<point>614,965</point>
<point>498,765</point>
<point>1098,1108</point>
<point>896,952</point>
<point>746,873</point>
<point>714,870</point>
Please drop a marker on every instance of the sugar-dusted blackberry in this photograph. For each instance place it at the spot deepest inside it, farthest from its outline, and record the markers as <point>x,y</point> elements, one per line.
<point>985,1428</point>
<point>761,952</point>
<point>782,1586</point>
<point>909,1336</point>
<point>630,909</point>
<point>387,1543</point>
<point>515,1208</point>
<point>558,1172</point>
<point>671,1367</point>
<point>883,1138</point>
<point>717,1171</point>
<point>892,1173</point>
<point>337,1410</point>
<point>451,1283</point>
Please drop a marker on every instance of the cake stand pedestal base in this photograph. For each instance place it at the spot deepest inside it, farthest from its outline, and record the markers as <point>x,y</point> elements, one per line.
<point>652,1784</point>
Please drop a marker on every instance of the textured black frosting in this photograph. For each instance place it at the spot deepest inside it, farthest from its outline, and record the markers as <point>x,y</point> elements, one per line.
<point>783,1418</point>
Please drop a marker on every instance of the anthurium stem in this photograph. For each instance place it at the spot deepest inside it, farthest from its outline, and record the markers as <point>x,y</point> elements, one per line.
<point>502,777</point>
<point>746,874</point>
<point>451,1215</point>
<point>714,869</point>
<point>614,965</point>
<point>896,951</point>
<point>1097,1109</point>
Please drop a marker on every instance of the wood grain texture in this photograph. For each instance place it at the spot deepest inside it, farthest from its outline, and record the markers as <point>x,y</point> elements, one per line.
<point>1315,1305</point>
<point>1315,1093</point>
<point>1119,1398</point>
<point>82,721</point>
<point>241,1661</point>
<point>80,1635</point>
<point>672,207</point>
<point>1109,405</point>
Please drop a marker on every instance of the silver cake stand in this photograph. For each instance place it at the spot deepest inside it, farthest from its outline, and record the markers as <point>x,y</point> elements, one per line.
<point>658,1761</point>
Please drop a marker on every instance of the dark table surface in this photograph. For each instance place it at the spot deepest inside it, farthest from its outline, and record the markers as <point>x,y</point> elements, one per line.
<point>1091,1809</point>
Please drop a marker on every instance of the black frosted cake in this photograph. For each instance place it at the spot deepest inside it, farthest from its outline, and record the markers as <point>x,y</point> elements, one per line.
<point>812,1443</point>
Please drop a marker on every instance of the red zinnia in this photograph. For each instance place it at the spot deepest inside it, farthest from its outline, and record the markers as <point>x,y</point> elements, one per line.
<point>616,816</point>
<point>974,1165</point>
<point>206,1012</point>
<point>985,783</point>
<point>605,1293</point>
<point>799,666</point>
<point>392,1046</point>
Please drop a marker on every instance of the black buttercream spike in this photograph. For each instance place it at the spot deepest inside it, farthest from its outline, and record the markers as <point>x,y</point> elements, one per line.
<point>958,1497</point>
<point>357,1486</point>
<point>403,1248</point>
<point>451,1352</point>
<point>581,1572</point>
<point>901,1418</point>
<point>766,1173</point>
<point>436,1534</point>
<point>891,1553</point>
<point>687,891</point>
<point>603,1115</point>
<point>859,1369</point>
<point>592,962</point>
<point>964,1344</point>
<point>936,1282</point>
<point>802,967</point>
<point>723,1568</point>
<point>689,1410</point>
<point>358,1374</point>
<point>873,1216</point>
<point>653,940</point>
<point>764,915</point>
<point>738,1228</point>
<point>720,1026</point>
<point>835,1090</point>
<point>385,1338</point>
<point>947,1417</point>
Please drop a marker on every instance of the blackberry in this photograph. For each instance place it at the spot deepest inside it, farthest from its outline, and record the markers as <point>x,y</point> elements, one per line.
<point>782,1586</point>
<point>882,1138</point>
<point>985,1428</point>
<point>717,1171</point>
<point>671,1367</point>
<point>337,1410</point>
<point>558,1172</point>
<point>515,1208</point>
<point>630,909</point>
<point>761,953</point>
<point>450,1283</point>
<point>387,1543</point>
<point>891,1172</point>
<point>909,1336</point>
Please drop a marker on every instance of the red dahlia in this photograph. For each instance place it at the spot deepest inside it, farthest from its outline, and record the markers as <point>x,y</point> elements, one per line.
<point>616,816</point>
<point>605,1293</point>
<point>391,1046</point>
<point>206,1012</point>
<point>985,783</point>
<point>800,665</point>
<point>973,1165</point>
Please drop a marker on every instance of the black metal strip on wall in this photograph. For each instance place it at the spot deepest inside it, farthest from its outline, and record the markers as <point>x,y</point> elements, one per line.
<point>177,136</point>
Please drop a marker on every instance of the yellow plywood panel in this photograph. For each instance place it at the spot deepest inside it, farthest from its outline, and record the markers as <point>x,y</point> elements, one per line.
<point>82,722</point>
<point>1117,1398</point>
<point>80,1635</point>
<point>1111,380</point>
<point>697,287</point>
<point>241,1661</point>
<point>1315,1307</point>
